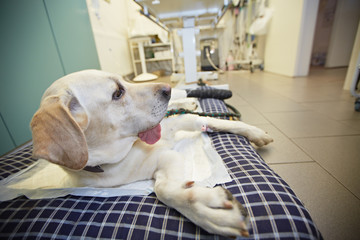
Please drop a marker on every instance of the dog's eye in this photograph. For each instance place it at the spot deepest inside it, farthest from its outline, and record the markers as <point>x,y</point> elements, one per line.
<point>118,94</point>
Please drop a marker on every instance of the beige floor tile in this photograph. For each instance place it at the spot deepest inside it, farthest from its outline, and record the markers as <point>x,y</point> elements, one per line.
<point>320,85</point>
<point>340,156</point>
<point>270,79</point>
<point>248,90</point>
<point>263,99</point>
<point>327,74</point>
<point>276,104</point>
<point>334,209</point>
<point>250,115</point>
<point>308,124</point>
<point>352,123</point>
<point>282,150</point>
<point>324,92</point>
<point>236,101</point>
<point>338,110</point>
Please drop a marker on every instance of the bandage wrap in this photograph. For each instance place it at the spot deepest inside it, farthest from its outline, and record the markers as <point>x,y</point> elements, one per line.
<point>205,128</point>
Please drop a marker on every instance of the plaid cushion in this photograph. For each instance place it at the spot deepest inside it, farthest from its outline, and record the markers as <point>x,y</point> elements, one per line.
<point>16,161</point>
<point>275,211</point>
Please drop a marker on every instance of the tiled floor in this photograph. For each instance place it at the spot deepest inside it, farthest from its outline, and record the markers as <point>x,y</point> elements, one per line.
<point>317,140</point>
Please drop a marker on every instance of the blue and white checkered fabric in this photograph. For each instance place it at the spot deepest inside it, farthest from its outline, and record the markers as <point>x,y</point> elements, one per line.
<point>275,211</point>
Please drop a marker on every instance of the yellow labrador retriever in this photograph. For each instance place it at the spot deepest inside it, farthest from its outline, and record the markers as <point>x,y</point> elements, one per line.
<point>106,132</point>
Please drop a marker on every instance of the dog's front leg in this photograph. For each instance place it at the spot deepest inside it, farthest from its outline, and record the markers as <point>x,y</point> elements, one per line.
<point>213,209</point>
<point>190,122</point>
<point>256,135</point>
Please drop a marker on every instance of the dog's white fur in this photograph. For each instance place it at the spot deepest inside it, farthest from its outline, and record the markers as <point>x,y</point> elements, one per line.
<point>92,118</point>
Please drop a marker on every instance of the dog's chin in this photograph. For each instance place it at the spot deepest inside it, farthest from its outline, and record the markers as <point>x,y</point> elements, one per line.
<point>151,135</point>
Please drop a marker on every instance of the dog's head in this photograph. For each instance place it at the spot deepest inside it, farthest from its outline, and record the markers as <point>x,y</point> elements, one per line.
<point>92,117</point>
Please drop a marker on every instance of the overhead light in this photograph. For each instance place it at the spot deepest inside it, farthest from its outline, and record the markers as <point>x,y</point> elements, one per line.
<point>154,2</point>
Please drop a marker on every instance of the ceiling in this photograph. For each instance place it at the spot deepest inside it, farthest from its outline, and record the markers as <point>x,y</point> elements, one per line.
<point>171,12</point>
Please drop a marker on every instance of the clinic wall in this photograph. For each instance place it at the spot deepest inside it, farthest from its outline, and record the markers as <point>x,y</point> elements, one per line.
<point>290,37</point>
<point>109,22</point>
<point>353,64</point>
<point>113,23</point>
<point>343,33</point>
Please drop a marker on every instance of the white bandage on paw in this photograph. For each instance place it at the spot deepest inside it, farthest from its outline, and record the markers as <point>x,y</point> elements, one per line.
<point>205,128</point>
<point>202,123</point>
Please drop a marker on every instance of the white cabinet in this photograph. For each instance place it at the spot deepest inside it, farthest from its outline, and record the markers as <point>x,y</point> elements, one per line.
<point>158,56</point>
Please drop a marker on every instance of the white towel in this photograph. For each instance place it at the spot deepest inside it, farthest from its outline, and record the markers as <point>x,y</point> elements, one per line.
<point>46,180</point>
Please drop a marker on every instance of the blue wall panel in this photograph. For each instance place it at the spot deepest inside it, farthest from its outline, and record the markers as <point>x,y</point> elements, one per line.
<point>41,41</point>
<point>71,26</point>
<point>6,143</point>
<point>29,62</point>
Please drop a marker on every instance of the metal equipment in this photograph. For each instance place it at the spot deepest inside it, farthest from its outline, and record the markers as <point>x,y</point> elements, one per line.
<point>209,49</point>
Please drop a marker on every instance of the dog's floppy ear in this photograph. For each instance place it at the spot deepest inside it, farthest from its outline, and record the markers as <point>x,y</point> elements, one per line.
<point>57,136</point>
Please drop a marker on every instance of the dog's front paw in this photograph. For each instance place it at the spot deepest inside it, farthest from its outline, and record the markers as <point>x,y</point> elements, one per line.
<point>217,211</point>
<point>190,104</point>
<point>259,137</point>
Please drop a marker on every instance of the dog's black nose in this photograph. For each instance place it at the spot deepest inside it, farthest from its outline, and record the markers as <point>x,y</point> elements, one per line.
<point>166,92</point>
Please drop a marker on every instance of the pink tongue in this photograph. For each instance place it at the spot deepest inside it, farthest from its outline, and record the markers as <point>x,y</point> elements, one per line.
<point>151,136</point>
